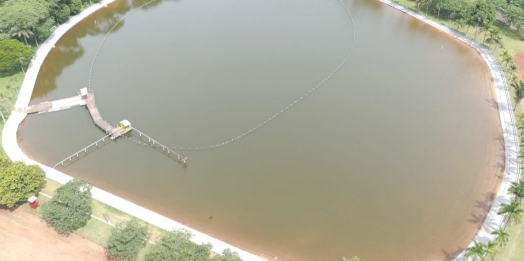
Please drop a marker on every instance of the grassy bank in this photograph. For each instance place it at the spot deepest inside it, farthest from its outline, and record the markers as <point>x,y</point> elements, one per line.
<point>96,229</point>
<point>9,86</point>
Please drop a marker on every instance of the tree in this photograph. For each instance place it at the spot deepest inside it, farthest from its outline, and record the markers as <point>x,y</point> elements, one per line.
<point>44,30</point>
<point>126,240</point>
<point>177,246</point>
<point>497,40</point>
<point>491,249</point>
<point>75,6</point>
<point>62,14</point>
<point>517,188</point>
<point>519,90</point>
<point>10,52</point>
<point>22,30</point>
<point>18,181</point>
<point>228,255</point>
<point>493,33</point>
<point>512,211</point>
<point>477,251</point>
<point>31,12</point>
<point>70,208</point>
<point>482,13</point>
<point>486,29</point>
<point>418,2</point>
<point>502,236</point>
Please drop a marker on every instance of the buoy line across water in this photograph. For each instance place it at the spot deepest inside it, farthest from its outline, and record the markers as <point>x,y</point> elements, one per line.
<point>224,143</point>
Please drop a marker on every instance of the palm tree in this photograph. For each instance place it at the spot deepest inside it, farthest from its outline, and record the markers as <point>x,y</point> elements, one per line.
<point>497,40</point>
<point>21,30</point>
<point>460,23</point>
<point>428,3</point>
<point>512,212</point>
<point>486,30</point>
<point>477,251</point>
<point>21,60</point>
<point>491,249</point>
<point>506,57</point>
<point>502,236</point>
<point>418,2</point>
<point>519,90</point>
<point>517,190</point>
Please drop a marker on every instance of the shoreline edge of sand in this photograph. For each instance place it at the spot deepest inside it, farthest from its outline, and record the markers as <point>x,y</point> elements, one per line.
<point>512,173</point>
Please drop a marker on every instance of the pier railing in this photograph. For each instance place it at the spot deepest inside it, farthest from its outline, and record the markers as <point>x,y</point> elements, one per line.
<point>169,152</point>
<point>83,152</point>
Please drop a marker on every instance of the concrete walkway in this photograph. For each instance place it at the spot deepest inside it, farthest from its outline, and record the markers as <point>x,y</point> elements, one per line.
<point>507,121</point>
<point>13,151</point>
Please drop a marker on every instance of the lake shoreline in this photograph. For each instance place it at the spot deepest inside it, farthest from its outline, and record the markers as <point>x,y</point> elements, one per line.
<point>14,152</point>
<point>511,167</point>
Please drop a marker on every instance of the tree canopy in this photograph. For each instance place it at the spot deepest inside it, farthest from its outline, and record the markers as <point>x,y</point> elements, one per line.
<point>70,208</point>
<point>177,246</point>
<point>31,12</point>
<point>126,240</point>
<point>227,255</point>
<point>10,52</point>
<point>18,181</point>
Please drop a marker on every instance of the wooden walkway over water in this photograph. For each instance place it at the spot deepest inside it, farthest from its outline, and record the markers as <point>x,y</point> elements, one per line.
<point>114,132</point>
<point>87,97</point>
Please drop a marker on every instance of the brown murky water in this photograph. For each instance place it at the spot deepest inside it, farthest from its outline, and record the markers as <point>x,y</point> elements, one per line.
<point>393,158</point>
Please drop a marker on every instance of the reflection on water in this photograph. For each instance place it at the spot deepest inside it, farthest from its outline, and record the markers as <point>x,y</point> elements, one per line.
<point>393,159</point>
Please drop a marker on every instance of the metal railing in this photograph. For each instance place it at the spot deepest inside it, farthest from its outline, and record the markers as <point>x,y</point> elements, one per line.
<point>82,152</point>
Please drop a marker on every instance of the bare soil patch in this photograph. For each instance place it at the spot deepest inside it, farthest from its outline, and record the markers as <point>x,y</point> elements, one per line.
<point>25,236</point>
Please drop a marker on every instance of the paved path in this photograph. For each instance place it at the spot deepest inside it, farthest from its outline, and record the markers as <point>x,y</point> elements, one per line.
<point>507,121</point>
<point>13,151</point>
<point>57,105</point>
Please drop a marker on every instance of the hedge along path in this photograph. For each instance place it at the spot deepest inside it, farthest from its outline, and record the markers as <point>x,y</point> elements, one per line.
<point>228,141</point>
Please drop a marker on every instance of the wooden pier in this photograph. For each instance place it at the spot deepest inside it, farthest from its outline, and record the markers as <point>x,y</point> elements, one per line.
<point>87,97</point>
<point>114,132</point>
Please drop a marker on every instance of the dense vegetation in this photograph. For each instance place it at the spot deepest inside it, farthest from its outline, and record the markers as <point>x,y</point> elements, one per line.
<point>18,181</point>
<point>491,18</point>
<point>70,208</point>
<point>34,20</point>
<point>126,240</point>
<point>177,246</point>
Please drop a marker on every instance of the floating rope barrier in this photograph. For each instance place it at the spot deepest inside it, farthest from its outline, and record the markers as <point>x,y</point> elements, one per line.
<point>224,143</point>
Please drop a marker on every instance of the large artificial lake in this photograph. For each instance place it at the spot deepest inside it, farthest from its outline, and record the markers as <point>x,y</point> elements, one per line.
<point>394,158</point>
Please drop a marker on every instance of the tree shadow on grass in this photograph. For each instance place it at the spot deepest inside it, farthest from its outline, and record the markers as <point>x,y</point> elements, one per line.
<point>507,31</point>
<point>9,74</point>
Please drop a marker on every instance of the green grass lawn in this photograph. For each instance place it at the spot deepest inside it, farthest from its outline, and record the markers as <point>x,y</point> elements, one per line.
<point>9,85</point>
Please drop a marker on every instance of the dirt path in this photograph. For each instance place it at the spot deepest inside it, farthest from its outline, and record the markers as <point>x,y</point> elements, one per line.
<point>24,236</point>
<point>519,61</point>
